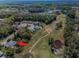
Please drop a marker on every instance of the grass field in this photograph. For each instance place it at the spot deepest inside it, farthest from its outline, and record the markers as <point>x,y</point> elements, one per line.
<point>42,49</point>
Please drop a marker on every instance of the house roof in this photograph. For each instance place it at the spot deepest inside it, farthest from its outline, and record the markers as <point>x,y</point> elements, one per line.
<point>57,44</point>
<point>20,43</point>
<point>2,55</point>
<point>10,44</point>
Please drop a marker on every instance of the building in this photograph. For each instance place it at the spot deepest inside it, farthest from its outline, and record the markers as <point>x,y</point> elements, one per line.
<point>10,44</point>
<point>2,21</point>
<point>57,45</point>
<point>22,44</point>
<point>2,55</point>
<point>37,10</point>
<point>31,25</point>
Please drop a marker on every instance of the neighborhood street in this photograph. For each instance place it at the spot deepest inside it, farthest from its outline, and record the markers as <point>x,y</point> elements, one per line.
<point>9,37</point>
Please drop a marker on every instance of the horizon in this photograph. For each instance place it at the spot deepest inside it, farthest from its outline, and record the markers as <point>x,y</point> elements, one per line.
<point>38,0</point>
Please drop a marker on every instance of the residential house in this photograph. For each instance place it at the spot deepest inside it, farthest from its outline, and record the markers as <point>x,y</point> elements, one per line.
<point>2,55</point>
<point>57,45</point>
<point>31,25</point>
<point>10,44</point>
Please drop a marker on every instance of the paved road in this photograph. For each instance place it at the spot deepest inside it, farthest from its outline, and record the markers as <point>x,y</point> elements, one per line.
<point>9,37</point>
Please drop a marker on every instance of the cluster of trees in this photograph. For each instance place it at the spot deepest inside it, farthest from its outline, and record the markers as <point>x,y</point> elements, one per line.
<point>19,16</point>
<point>59,25</point>
<point>11,52</point>
<point>5,31</point>
<point>71,37</point>
<point>66,9</point>
<point>24,35</point>
<point>7,12</point>
<point>32,17</point>
<point>50,42</point>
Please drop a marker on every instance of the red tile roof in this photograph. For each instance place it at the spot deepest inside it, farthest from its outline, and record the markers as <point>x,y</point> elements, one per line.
<point>22,43</point>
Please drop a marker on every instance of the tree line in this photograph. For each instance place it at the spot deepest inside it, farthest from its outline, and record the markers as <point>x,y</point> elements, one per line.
<point>71,37</point>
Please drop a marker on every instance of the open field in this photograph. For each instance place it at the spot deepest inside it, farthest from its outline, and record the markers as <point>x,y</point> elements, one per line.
<point>42,49</point>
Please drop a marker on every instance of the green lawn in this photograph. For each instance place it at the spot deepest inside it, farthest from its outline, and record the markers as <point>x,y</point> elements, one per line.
<point>42,49</point>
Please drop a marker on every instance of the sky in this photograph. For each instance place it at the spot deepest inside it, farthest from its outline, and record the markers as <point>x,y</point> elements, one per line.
<point>39,0</point>
<point>25,0</point>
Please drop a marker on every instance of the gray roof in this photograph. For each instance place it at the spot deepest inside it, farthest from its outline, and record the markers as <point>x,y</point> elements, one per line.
<point>10,44</point>
<point>1,53</point>
<point>3,56</point>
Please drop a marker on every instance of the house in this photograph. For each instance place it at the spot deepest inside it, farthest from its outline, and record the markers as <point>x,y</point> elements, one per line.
<point>75,8</point>
<point>10,44</point>
<point>57,45</point>
<point>2,21</point>
<point>31,25</point>
<point>37,10</point>
<point>22,44</point>
<point>2,55</point>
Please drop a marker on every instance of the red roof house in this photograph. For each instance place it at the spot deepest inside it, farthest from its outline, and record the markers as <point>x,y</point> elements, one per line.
<point>22,43</point>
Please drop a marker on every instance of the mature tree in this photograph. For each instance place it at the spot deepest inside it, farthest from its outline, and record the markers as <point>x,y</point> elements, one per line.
<point>71,38</point>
